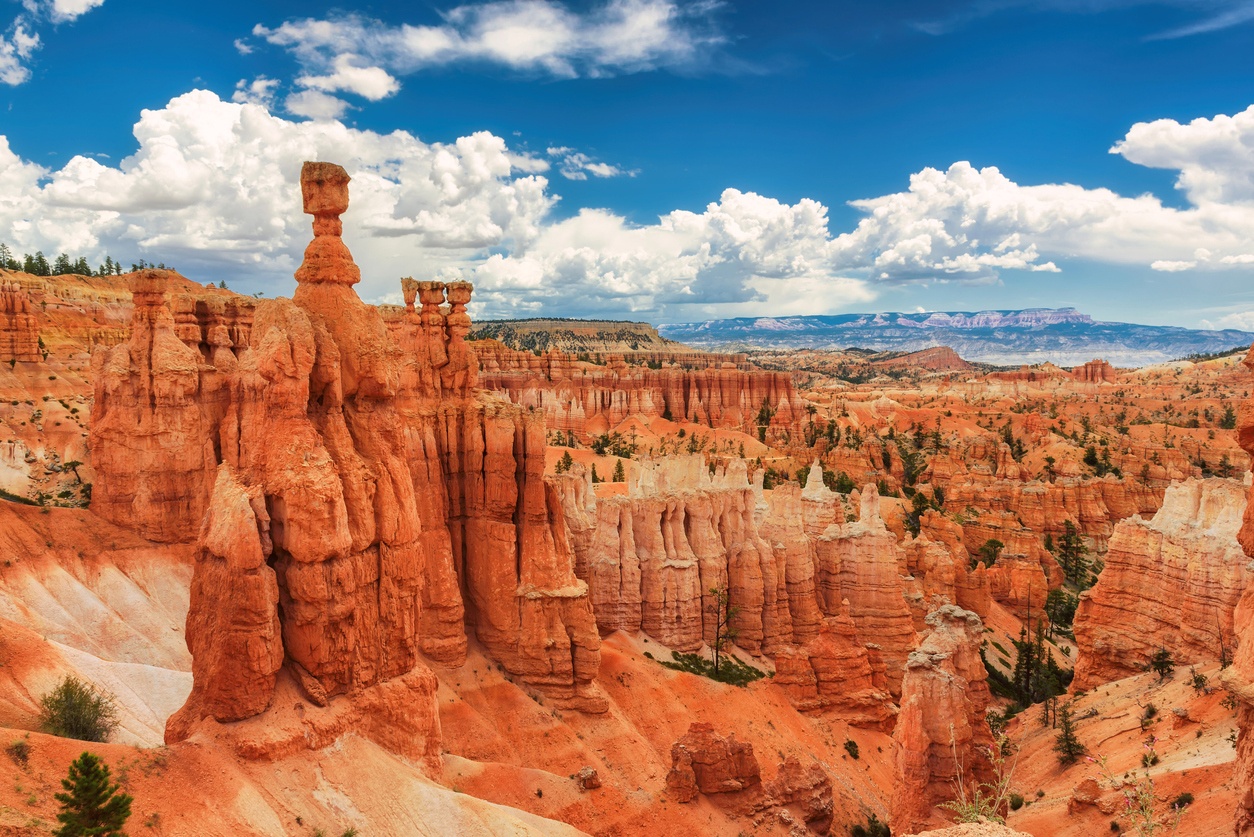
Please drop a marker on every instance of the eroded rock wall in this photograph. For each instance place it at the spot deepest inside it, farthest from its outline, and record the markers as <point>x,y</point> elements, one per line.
<point>1170,582</point>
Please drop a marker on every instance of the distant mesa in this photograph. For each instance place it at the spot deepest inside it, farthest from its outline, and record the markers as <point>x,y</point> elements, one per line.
<point>1063,336</point>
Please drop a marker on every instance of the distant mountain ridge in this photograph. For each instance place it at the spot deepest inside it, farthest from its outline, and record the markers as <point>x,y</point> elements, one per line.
<point>1063,336</point>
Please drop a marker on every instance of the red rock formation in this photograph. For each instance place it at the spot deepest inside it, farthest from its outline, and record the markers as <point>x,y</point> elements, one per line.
<point>942,730</point>
<point>19,326</point>
<point>362,475</point>
<point>153,435</point>
<point>589,399</point>
<point>1239,677</point>
<point>707,763</point>
<point>862,563</point>
<point>833,673</point>
<point>1095,372</point>
<point>236,641</point>
<point>1171,582</point>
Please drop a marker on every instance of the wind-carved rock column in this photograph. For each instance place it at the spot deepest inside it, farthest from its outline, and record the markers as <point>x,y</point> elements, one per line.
<point>19,326</point>
<point>462,372</point>
<point>432,296</point>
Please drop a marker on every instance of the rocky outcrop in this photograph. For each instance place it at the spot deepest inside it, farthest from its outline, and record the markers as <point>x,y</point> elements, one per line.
<point>833,673</point>
<point>155,437</point>
<point>590,399</point>
<point>860,567</point>
<point>19,325</point>
<point>368,503</point>
<point>1095,372</point>
<point>704,762</point>
<point>1170,582</point>
<point>942,731</point>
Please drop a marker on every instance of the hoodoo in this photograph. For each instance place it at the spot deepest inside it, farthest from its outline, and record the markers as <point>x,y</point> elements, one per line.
<point>361,500</point>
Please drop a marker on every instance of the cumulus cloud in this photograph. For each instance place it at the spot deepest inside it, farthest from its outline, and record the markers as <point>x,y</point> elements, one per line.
<point>19,42</point>
<point>62,11</point>
<point>315,104</point>
<point>743,253</point>
<point>1240,320</point>
<point>373,83</point>
<point>575,165</point>
<point>359,55</point>
<point>968,224</point>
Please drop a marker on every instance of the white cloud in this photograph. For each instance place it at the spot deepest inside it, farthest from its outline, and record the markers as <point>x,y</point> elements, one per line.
<point>259,91</point>
<point>243,47</point>
<point>315,105</point>
<point>1168,266</point>
<point>20,41</point>
<point>62,11</point>
<point>16,48</point>
<point>1240,320</point>
<point>967,223</point>
<point>373,83</point>
<point>575,165</point>
<point>743,253</point>
<point>542,36</point>
<point>1215,157</point>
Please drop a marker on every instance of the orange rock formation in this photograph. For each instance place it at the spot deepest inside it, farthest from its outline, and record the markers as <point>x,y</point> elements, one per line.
<point>366,499</point>
<point>1171,582</point>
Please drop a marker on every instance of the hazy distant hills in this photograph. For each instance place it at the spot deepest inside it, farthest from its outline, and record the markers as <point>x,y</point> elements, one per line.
<point>1034,335</point>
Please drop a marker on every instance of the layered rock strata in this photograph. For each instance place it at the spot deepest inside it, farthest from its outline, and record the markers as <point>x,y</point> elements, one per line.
<point>1171,582</point>
<point>590,399</point>
<point>19,326</point>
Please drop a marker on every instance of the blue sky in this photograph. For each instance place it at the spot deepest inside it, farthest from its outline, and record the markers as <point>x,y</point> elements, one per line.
<point>654,159</point>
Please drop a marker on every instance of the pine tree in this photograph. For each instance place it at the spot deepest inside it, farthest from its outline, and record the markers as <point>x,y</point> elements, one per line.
<point>91,807</point>
<point>1073,556</point>
<point>620,474</point>
<point>1067,745</point>
<point>1162,663</point>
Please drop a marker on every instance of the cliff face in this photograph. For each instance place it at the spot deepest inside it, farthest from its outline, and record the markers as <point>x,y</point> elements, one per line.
<point>1239,677</point>
<point>942,731</point>
<point>590,399</point>
<point>1171,582</point>
<point>19,328</point>
<point>364,499</point>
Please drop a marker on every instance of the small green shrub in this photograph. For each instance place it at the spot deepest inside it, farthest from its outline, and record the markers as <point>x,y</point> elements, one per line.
<point>75,709</point>
<point>1182,800</point>
<point>851,747</point>
<point>19,751</point>
<point>1016,801</point>
<point>873,828</point>
<point>730,669</point>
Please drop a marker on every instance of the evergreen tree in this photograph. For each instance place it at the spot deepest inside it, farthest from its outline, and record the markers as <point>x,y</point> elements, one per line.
<point>1162,663</point>
<point>1073,556</point>
<point>619,474</point>
<point>1066,744</point>
<point>91,806</point>
<point>563,464</point>
<point>1229,420</point>
<point>7,261</point>
<point>62,265</point>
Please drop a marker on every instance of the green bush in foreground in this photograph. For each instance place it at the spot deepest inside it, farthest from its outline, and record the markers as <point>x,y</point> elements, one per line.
<point>75,709</point>
<point>730,669</point>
